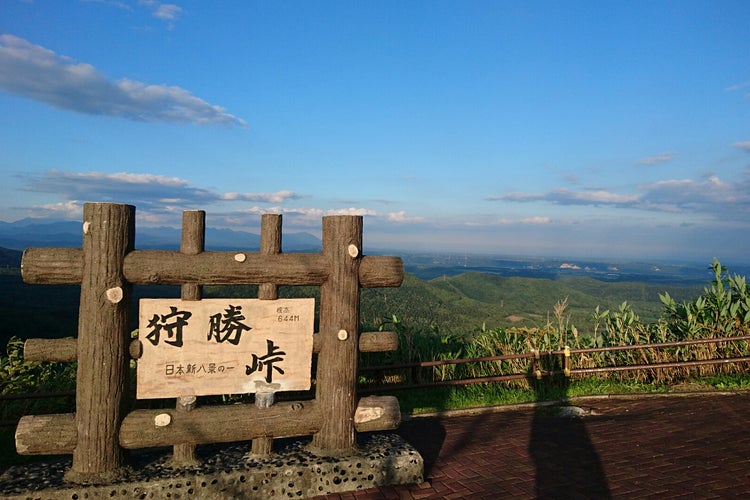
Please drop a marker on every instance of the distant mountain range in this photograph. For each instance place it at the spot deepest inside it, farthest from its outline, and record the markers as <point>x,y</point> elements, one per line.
<point>17,236</point>
<point>431,266</point>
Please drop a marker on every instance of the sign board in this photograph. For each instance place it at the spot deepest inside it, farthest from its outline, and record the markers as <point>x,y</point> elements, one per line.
<point>224,346</point>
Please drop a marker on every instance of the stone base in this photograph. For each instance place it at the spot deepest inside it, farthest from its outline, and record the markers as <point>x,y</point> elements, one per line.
<point>228,472</point>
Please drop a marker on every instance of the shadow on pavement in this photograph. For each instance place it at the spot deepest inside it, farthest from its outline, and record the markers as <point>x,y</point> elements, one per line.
<point>427,435</point>
<point>567,464</point>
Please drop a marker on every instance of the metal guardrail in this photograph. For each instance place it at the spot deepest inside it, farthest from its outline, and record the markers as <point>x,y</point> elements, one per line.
<point>32,395</point>
<point>534,372</point>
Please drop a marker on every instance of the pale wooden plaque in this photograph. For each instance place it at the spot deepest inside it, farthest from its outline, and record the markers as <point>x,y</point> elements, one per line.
<point>224,346</point>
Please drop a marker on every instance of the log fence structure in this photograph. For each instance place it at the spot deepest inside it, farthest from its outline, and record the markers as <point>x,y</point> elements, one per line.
<point>108,265</point>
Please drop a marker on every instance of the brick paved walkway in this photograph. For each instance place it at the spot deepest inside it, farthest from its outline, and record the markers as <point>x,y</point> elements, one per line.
<point>695,446</point>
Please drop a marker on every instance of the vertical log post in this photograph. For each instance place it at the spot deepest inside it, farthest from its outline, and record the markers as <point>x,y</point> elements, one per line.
<point>270,243</point>
<point>339,327</point>
<point>193,242</point>
<point>103,337</point>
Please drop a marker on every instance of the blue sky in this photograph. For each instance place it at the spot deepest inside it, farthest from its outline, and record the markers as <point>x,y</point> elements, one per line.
<point>589,129</point>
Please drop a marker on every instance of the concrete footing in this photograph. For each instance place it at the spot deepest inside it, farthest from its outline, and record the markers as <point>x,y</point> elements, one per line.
<point>228,472</point>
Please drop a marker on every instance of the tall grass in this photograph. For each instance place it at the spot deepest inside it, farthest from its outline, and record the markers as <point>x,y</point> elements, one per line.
<point>722,310</point>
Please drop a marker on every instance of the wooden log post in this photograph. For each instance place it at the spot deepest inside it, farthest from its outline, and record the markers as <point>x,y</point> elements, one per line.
<point>336,376</point>
<point>270,244</point>
<point>102,376</point>
<point>193,242</point>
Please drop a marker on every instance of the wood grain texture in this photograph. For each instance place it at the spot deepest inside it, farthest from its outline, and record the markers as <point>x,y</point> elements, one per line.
<point>103,337</point>
<point>339,312</point>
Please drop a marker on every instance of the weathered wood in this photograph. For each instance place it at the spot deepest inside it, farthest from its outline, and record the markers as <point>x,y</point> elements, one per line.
<point>339,323</point>
<point>52,266</point>
<point>56,434</point>
<point>381,271</point>
<point>103,336</point>
<point>224,268</point>
<point>378,341</point>
<point>135,349</point>
<point>184,454</point>
<point>50,350</point>
<point>377,413</point>
<point>220,424</point>
<point>270,244</point>
<point>46,434</point>
<point>145,267</point>
<point>193,242</point>
<point>60,266</point>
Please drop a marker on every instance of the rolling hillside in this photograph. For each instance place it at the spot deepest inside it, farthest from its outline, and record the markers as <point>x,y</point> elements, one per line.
<point>459,304</point>
<point>468,301</point>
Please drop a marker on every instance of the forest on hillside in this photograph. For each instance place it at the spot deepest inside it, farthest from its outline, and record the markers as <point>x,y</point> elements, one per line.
<point>458,304</point>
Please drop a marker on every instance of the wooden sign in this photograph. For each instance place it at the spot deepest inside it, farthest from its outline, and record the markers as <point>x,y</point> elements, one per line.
<point>224,346</point>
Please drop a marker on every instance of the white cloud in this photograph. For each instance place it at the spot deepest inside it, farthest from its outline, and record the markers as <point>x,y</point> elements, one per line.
<point>518,196</point>
<point>38,73</point>
<point>164,11</point>
<point>350,211</point>
<point>744,145</point>
<point>402,217</point>
<point>738,86</point>
<point>536,220</point>
<point>710,196</point>
<point>160,200</point>
<point>277,197</point>
<point>564,196</point>
<point>295,218</point>
<point>72,209</point>
<point>167,11</point>
<point>146,190</point>
<point>657,159</point>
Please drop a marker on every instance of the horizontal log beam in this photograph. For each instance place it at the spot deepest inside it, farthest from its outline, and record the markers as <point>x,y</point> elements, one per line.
<point>150,267</point>
<point>64,266</point>
<point>219,424</point>
<point>46,434</point>
<point>377,413</point>
<point>378,341</point>
<point>381,271</point>
<point>56,434</point>
<point>50,350</point>
<point>66,349</point>
<point>52,266</point>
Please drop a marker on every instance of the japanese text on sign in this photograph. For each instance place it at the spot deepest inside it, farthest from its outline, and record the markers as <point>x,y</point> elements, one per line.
<point>224,346</point>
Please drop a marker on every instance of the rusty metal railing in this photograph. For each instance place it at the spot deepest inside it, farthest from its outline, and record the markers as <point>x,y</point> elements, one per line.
<point>535,370</point>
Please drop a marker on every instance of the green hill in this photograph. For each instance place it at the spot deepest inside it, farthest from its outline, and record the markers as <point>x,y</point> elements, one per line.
<point>457,304</point>
<point>469,301</point>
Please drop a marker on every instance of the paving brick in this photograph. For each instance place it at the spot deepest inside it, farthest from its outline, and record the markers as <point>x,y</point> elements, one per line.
<point>636,447</point>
